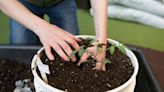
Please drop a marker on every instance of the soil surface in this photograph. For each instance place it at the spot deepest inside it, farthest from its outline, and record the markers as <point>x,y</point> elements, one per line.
<point>10,72</point>
<point>72,78</point>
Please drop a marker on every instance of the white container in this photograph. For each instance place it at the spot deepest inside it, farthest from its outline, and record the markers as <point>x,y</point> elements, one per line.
<point>42,86</point>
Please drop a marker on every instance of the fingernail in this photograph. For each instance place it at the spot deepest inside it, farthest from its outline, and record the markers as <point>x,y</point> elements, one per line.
<point>78,64</point>
<point>79,40</point>
<point>52,58</point>
<point>74,59</point>
<point>65,59</point>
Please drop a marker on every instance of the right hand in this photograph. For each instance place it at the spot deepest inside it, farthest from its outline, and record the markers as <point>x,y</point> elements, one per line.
<point>99,56</point>
<point>60,40</point>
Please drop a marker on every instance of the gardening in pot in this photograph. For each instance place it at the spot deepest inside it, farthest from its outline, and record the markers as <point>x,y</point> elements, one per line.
<point>29,14</point>
<point>118,75</point>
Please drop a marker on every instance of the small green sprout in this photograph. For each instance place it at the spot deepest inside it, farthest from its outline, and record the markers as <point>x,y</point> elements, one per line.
<point>81,51</point>
<point>107,61</point>
<point>100,49</point>
<point>122,49</point>
<point>111,49</point>
<point>72,54</point>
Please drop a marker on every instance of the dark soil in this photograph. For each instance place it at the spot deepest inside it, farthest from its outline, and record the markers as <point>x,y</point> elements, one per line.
<point>68,76</point>
<point>10,72</point>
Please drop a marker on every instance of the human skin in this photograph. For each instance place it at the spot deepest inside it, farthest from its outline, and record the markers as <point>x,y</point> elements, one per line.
<point>100,23</point>
<point>63,40</point>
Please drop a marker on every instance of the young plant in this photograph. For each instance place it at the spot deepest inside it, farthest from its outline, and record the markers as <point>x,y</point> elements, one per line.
<point>100,49</point>
<point>80,52</point>
<point>121,47</point>
<point>107,61</point>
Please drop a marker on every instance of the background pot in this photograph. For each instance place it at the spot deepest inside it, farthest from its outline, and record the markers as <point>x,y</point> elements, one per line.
<point>129,86</point>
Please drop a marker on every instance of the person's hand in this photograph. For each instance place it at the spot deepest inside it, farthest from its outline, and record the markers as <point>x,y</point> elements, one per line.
<point>59,40</point>
<point>98,54</point>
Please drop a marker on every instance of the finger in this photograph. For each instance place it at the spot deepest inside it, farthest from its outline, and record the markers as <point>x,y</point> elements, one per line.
<point>99,65</point>
<point>73,37</point>
<point>100,62</point>
<point>48,52</point>
<point>91,51</point>
<point>73,43</point>
<point>103,67</point>
<point>67,49</point>
<point>83,58</point>
<point>59,51</point>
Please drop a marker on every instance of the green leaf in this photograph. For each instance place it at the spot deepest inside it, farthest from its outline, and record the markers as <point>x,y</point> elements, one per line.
<point>73,53</point>
<point>122,49</point>
<point>112,50</point>
<point>81,51</point>
<point>107,61</point>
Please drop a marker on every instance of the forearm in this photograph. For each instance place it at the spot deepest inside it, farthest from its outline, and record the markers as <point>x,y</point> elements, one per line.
<point>50,36</point>
<point>100,19</point>
<point>15,10</point>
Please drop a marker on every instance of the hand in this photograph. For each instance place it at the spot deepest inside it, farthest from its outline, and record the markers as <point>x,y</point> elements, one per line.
<point>99,55</point>
<point>59,40</point>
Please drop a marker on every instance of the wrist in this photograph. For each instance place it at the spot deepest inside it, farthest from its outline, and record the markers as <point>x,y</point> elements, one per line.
<point>101,36</point>
<point>40,26</point>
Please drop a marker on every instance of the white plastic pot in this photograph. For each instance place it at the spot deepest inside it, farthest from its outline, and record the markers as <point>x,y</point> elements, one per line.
<point>42,86</point>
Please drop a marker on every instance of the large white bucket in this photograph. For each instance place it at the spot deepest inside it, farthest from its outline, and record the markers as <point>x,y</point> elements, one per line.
<point>129,86</point>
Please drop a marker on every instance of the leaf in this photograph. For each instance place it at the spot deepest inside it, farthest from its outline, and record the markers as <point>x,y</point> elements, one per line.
<point>107,61</point>
<point>73,53</point>
<point>81,51</point>
<point>112,50</point>
<point>122,49</point>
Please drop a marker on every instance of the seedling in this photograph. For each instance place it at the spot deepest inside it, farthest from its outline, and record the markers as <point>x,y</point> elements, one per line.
<point>81,51</point>
<point>111,49</point>
<point>121,47</point>
<point>100,49</point>
<point>107,61</point>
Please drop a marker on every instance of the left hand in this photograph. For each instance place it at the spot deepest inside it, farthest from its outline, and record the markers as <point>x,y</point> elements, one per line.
<point>99,55</point>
